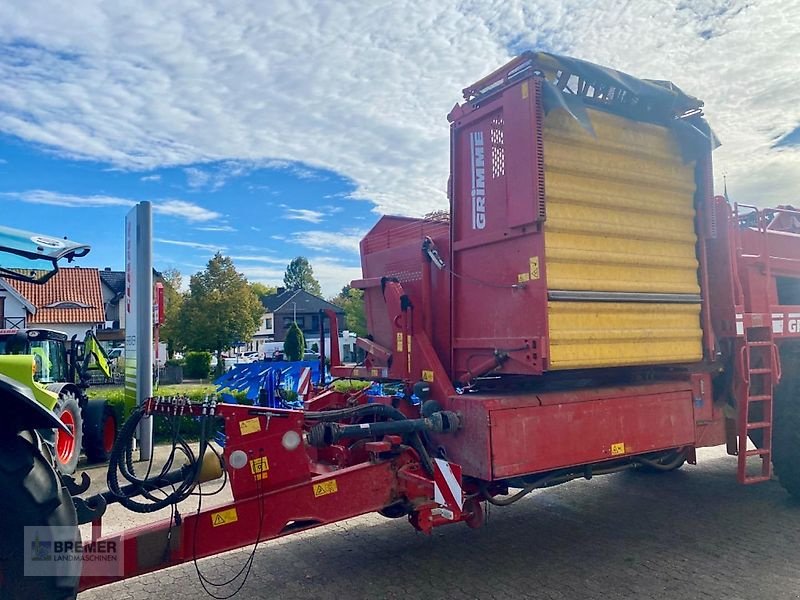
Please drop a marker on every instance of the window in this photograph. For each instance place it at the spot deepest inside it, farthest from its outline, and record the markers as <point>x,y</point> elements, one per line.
<point>268,323</point>
<point>315,322</point>
<point>286,322</point>
<point>301,322</point>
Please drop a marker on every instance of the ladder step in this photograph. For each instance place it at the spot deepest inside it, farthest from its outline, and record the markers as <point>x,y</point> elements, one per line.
<point>760,398</point>
<point>760,371</point>
<point>759,344</point>
<point>758,425</point>
<point>756,479</point>
<point>758,452</point>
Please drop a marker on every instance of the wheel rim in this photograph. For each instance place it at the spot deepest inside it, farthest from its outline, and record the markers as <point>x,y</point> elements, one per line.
<point>65,442</point>
<point>109,433</point>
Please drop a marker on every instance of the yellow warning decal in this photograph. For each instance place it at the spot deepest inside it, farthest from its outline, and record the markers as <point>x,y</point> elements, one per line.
<point>376,372</point>
<point>250,426</point>
<point>399,342</point>
<point>534,267</point>
<point>617,449</point>
<point>523,277</point>
<point>224,517</point>
<point>427,376</point>
<point>325,488</point>
<point>259,467</point>
<point>524,88</point>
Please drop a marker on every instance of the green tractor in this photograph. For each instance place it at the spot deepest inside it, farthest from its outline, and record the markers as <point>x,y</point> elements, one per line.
<point>34,494</point>
<point>57,370</point>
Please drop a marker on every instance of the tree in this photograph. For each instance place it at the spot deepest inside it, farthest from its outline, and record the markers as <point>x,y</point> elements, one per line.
<point>261,290</point>
<point>220,310</point>
<point>352,301</point>
<point>294,346</point>
<point>300,276</point>
<point>169,330</point>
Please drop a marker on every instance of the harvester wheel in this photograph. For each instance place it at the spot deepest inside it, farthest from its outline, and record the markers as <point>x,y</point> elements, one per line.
<point>67,447</point>
<point>786,418</point>
<point>100,430</point>
<point>32,495</point>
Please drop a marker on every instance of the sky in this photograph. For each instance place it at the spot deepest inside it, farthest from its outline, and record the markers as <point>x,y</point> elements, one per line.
<point>268,130</point>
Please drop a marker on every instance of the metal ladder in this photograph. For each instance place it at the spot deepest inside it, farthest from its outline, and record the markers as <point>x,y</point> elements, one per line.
<point>760,372</point>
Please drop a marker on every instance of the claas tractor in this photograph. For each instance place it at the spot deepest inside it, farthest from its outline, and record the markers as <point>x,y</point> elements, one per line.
<point>59,377</point>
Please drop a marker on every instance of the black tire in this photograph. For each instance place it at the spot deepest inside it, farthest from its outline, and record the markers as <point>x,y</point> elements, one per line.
<point>786,422</point>
<point>68,408</point>
<point>32,495</point>
<point>99,419</point>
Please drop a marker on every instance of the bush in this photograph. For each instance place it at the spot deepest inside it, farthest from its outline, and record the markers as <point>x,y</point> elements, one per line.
<point>315,348</point>
<point>198,365</point>
<point>174,362</point>
<point>295,345</point>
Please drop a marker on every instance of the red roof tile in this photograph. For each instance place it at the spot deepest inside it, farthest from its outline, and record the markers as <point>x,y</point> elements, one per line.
<point>75,285</point>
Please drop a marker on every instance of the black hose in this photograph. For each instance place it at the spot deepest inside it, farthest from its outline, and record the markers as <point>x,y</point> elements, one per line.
<point>121,461</point>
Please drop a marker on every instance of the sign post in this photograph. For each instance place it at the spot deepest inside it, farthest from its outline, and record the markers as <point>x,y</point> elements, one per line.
<point>139,317</point>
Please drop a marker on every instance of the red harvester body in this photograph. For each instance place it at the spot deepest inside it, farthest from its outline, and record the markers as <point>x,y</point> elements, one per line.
<point>589,306</point>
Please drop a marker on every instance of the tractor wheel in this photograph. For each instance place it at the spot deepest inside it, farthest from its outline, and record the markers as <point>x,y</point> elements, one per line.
<point>786,422</point>
<point>32,495</point>
<point>99,430</point>
<point>67,448</point>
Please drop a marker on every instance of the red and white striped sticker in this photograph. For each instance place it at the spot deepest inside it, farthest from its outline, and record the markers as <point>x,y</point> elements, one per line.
<point>304,382</point>
<point>447,489</point>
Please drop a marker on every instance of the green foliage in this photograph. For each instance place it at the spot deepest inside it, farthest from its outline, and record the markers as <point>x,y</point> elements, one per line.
<point>315,347</point>
<point>350,385</point>
<point>300,276</point>
<point>352,301</point>
<point>261,290</point>
<point>295,345</point>
<point>173,300</point>
<point>197,365</point>
<point>221,308</point>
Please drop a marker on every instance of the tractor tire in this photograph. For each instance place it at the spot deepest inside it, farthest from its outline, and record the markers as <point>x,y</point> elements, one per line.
<point>67,449</point>
<point>32,495</point>
<point>100,430</point>
<point>786,422</point>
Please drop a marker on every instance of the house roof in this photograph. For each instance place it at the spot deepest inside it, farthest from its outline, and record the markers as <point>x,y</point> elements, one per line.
<point>113,280</point>
<point>73,295</point>
<point>306,303</point>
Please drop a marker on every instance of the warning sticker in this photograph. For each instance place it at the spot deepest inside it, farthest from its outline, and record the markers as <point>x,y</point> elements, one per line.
<point>325,488</point>
<point>250,426</point>
<point>427,376</point>
<point>259,467</point>
<point>523,277</point>
<point>534,267</point>
<point>399,342</point>
<point>617,449</point>
<point>224,517</point>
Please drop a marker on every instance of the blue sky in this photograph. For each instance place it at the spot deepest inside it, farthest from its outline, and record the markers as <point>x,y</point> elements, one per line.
<point>271,130</point>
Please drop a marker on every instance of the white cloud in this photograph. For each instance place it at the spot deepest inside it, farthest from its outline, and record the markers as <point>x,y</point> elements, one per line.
<point>187,210</point>
<point>226,228</point>
<point>195,245</point>
<point>174,208</point>
<point>191,83</point>
<point>303,214</point>
<point>68,200</point>
<point>151,178</point>
<point>262,259</point>
<point>325,241</point>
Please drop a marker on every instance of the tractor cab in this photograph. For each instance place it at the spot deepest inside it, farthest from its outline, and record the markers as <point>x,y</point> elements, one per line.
<point>48,348</point>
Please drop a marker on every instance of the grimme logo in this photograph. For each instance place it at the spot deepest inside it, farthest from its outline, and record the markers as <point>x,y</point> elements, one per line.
<point>478,180</point>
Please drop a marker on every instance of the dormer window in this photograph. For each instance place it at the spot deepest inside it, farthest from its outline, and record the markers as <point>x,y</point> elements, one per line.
<point>68,304</point>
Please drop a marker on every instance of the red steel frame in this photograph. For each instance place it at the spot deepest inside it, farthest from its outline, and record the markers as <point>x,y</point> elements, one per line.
<point>428,323</point>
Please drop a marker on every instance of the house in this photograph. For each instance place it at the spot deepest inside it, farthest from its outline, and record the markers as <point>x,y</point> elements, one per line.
<point>71,301</point>
<point>285,307</point>
<point>113,287</point>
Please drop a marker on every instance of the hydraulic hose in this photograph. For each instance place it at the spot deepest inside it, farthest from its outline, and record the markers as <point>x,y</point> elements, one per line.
<point>121,461</point>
